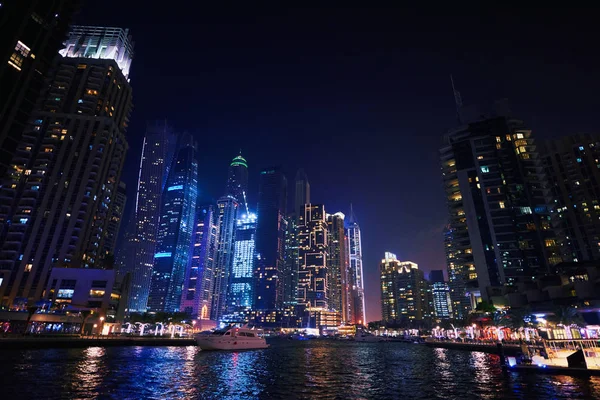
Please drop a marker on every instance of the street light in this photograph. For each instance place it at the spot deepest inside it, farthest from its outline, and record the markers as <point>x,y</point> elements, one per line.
<point>101,326</point>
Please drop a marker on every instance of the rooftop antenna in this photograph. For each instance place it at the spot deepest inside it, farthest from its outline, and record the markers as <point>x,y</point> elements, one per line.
<point>457,100</point>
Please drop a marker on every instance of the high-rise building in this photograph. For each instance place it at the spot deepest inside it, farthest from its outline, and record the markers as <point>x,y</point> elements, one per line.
<point>198,285</point>
<point>32,34</point>
<point>290,270</point>
<point>58,195</point>
<point>270,239</point>
<point>357,310</point>
<point>339,299</point>
<point>237,179</point>
<point>227,211</point>
<point>302,194</point>
<point>572,168</point>
<point>499,230</point>
<point>136,255</point>
<point>175,230</point>
<point>115,219</point>
<point>241,281</point>
<point>403,290</point>
<point>442,305</point>
<point>313,249</point>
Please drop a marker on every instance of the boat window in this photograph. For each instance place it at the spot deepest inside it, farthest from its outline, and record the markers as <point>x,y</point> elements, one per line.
<point>242,334</point>
<point>228,334</point>
<point>250,334</point>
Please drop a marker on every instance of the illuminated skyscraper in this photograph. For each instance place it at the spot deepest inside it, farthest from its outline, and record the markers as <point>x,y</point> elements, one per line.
<point>32,34</point>
<point>339,299</point>
<point>198,285</point>
<point>237,179</point>
<point>175,231</point>
<point>403,290</point>
<point>136,256</point>
<point>56,200</point>
<point>227,208</point>
<point>357,310</point>
<point>270,239</point>
<point>302,194</point>
<point>441,294</point>
<point>499,227</point>
<point>313,274</point>
<point>241,281</point>
<point>290,271</point>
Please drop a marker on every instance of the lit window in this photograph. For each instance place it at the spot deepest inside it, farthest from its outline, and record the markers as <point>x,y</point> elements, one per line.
<point>480,157</point>
<point>28,267</point>
<point>581,148</point>
<point>519,136</point>
<point>485,169</point>
<point>501,204</point>
<point>526,210</point>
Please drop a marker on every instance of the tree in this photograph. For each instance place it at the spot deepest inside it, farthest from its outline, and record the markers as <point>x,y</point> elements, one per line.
<point>566,316</point>
<point>85,314</point>
<point>485,307</point>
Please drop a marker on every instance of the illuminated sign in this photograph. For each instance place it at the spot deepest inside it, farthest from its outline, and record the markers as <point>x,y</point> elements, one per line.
<point>176,187</point>
<point>162,255</point>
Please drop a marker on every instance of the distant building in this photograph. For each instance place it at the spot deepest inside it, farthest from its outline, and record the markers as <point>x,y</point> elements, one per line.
<point>357,310</point>
<point>290,270</point>
<point>339,299</point>
<point>114,220</point>
<point>403,291</point>
<point>237,179</point>
<point>442,304</point>
<point>32,34</point>
<point>136,254</point>
<point>270,239</point>
<point>302,193</point>
<point>499,230</point>
<point>175,231</point>
<point>241,281</point>
<point>196,299</point>
<point>313,274</point>
<point>56,200</point>
<point>572,167</point>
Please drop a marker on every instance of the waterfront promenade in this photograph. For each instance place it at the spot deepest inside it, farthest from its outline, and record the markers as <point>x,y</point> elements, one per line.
<point>485,347</point>
<point>33,342</point>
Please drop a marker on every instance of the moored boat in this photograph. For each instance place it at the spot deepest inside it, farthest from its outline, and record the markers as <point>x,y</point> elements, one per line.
<point>233,339</point>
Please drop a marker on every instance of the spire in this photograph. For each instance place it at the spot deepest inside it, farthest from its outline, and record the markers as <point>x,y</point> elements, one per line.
<point>352,217</point>
<point>457,100</point>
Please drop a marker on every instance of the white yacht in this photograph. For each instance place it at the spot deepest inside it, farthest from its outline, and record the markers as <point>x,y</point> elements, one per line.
<point>233,339</point>
<point>364,336</point>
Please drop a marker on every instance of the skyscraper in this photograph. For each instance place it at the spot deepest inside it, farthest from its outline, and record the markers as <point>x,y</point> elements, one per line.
<point>241,281</point>
<point>227,208</point>
<point>403,290</point>
<point>32,34</point>
<point>339,299</point>
<point>270,238</point>
<point>441,294</point>
<point>115,219</point>
<point>136,256</point>
<point>199,280</point>
<point>313,274</point>
<point>57,198</point>
<point>572,167</point>
<point>237,179</point>
<point>357,310</point>
<point>290,270</point>
<point>302,194</point>
<point>175,231</point>
<point>499,219</point>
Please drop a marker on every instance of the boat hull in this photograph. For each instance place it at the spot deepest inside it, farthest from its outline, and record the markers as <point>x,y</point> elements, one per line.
<point>219,343</point>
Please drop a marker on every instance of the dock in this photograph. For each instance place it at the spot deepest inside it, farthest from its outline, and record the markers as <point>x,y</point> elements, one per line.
<point>83,342</point>
<point>509,349</point>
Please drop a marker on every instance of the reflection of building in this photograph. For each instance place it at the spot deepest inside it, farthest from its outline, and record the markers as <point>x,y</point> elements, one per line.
<point>572,166</point>
<point>403,290</point>
<point>241,281</point>
<point>442,304</point>
<point>356,309</point>
<point>198,285</point>
<point>499,229</point>
<point>136,255</point>
<point>56,200</point>
<point>312,248</point>
<point>32,34</point>
<point>175,232</point>
<point>270,239</point>
<point>338,265</point>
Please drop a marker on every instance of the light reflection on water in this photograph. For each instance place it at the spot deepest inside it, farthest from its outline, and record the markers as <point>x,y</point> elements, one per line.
<point>288,370</point>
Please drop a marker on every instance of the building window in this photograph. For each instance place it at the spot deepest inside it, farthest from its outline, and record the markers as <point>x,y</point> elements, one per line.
<point>21,52</point>
<point>485,169</point>
<point>501,203</point>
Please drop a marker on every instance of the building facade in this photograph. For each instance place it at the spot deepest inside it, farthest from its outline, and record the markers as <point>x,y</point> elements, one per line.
<point>442,305</point>
<point>115,219</point>
<point>356,309</point>
<point>270,239</point>
<point>499,230</point>
<point>175,231</point>
<point>302,193</point>
<point>237,179</point>
<point>32,34</point>
<point>136,255</point>
<point>572,167</point>
<point>57,197</point>
<point>339,299</point>
<point>241,281</point>
<point>196,300</point>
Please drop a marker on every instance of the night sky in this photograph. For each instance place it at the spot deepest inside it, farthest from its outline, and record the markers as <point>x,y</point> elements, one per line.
<point>359,98</point>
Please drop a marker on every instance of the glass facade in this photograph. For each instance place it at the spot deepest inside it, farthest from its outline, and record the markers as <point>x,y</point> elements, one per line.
<point>241,285</point>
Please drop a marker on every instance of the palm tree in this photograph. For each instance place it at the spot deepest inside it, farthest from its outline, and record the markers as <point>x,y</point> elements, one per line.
<point>566,316</point>
<point>84,316</point>
<point>517,319</point>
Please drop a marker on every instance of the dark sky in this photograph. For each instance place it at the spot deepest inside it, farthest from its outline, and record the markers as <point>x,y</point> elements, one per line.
<point>360,98</point>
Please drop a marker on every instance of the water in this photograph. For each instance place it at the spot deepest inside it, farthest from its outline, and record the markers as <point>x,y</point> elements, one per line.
<point>288,370</point>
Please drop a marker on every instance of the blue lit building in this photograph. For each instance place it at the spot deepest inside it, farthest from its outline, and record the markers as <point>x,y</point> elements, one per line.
<point>442,305</point>
<point>175,231</point>
<point>270,239</point>
<point>241,291</point>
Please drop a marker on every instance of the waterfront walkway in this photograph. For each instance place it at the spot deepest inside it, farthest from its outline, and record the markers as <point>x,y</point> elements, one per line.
<point>33,342</point>
<point>509,348</point>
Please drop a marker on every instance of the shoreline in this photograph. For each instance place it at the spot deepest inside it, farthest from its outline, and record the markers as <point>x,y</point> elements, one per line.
<point>509,349</point>
<point>70,342</point>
